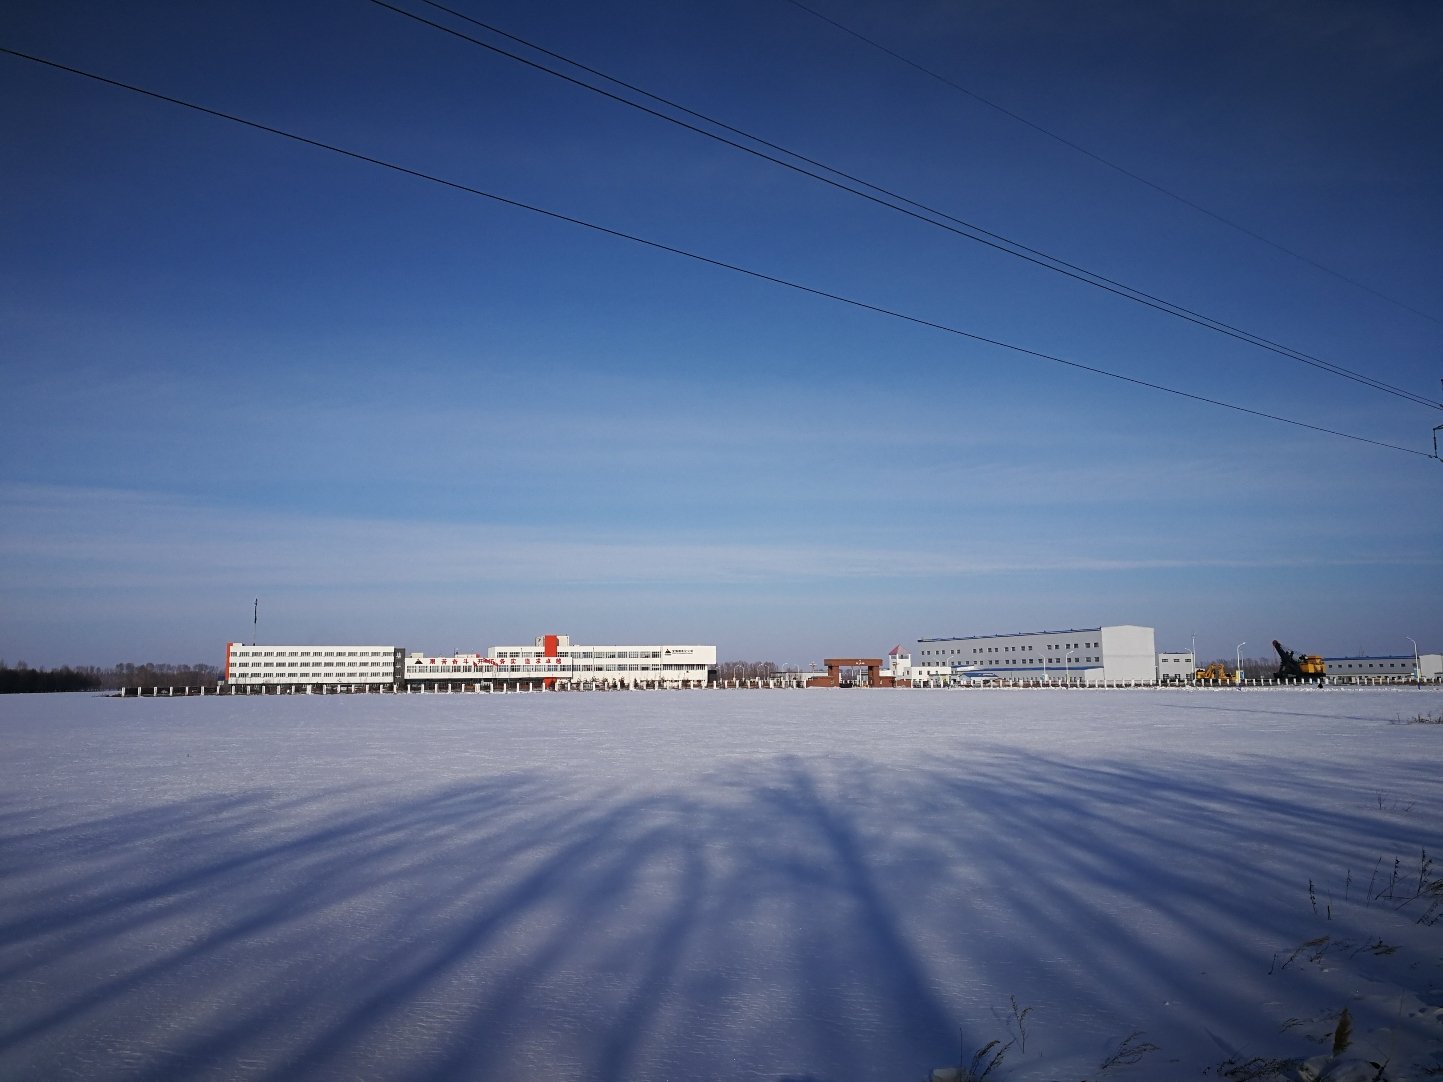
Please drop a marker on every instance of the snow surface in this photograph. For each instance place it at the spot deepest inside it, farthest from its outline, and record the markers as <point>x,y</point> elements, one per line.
<point>781,885</point>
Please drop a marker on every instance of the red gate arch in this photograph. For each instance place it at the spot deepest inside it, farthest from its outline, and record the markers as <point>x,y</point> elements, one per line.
<point>835,665</point>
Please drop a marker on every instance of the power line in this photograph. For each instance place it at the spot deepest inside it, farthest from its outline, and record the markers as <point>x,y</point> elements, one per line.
<point>1113,165</point>
<point>685,253</point>
<point>884,197</point>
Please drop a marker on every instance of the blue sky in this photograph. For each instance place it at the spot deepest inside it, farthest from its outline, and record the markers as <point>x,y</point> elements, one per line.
<point>236,366</point>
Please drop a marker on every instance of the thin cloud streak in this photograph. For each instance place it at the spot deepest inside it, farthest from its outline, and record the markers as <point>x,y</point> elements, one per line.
<point>95,538</point>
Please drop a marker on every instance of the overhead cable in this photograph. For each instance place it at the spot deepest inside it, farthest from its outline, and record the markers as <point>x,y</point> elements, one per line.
<point>1113,165</point>
<point>886,198</point>
<point>695,256</point>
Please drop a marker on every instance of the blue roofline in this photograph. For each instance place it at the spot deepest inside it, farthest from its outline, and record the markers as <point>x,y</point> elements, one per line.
<point>1015,634</point>
<point>1370,657</point>
<point>1009,670</point>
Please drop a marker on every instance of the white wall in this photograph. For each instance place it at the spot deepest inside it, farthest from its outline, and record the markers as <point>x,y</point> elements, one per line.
<point>1177,664</point>
<point>1129,652</point>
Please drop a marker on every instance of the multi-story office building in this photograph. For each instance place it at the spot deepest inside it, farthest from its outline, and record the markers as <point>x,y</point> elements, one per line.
<point>268,664</point>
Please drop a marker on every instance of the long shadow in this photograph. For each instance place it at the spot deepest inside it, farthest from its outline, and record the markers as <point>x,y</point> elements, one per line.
<point>1212,709</point>
<point>825,918</point>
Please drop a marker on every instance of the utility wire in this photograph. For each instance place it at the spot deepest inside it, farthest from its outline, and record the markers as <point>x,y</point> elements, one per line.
<point>1113,165</point>
<point>884,197</point>
<point>695,256</point>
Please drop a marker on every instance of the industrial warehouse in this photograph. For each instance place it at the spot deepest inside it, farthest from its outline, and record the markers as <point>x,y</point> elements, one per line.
<point>1122,655</point>
<point>1117,654</point>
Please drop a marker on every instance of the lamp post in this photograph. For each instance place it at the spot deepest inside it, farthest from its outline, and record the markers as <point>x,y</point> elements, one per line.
<point>1238,676</point>
<point>1417,661</point>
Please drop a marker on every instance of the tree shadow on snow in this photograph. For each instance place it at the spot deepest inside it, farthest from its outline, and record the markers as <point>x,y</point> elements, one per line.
<point>793,919</point>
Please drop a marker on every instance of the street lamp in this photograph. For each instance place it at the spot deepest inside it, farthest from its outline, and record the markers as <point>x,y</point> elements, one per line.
<point>1238,676</point>
<point>1417,661</point>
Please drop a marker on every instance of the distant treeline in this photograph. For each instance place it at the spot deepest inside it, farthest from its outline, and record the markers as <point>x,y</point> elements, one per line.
<point>750,670</point>
<point>23,679</point>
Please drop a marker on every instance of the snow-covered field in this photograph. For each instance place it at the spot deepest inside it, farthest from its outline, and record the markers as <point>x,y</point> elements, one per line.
<point>820,885</point>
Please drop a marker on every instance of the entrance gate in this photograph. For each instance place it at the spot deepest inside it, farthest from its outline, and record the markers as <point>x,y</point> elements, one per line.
<point>835,679</point>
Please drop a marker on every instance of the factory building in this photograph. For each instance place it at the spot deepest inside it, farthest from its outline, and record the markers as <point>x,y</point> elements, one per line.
<point>554,660</point>
<point>1391,667</point>
<point>348,664</point>
<point>1174,666</point>
<point>1119,653</point>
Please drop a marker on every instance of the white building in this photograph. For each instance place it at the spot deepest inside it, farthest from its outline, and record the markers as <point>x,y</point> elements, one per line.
<point>1120,653</point>
<point>935,676</point>
<point>1392,667</point>
<point>898,664</point>
<point>456,668</point>
<point>348,664</point>
<point>1176,665</point>
<point>904,671</point>
<point>554,659</point>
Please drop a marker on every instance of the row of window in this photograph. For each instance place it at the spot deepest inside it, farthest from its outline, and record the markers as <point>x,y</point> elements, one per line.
<point>307,664</point>
<point>980,651</point>
<point>1044,660</point>
<point>310,653</point>
<point>283,674</point>
<point>582,653</point>
<point>491,670</point>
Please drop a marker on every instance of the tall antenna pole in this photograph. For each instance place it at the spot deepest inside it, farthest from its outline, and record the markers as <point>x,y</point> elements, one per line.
<point>255,620</point>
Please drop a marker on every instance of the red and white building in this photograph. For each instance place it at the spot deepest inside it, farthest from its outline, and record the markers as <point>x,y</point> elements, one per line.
<point>553,660</point>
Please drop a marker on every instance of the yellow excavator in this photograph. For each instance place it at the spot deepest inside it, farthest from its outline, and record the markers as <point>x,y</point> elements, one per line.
<point>1216,671</point>
<point>1292,667</point>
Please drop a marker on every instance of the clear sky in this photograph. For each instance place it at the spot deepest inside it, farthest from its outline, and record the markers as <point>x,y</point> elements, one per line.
<point>235,366</point>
